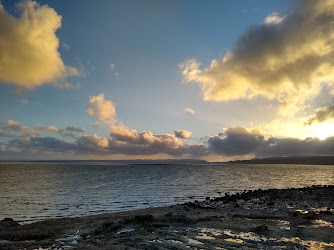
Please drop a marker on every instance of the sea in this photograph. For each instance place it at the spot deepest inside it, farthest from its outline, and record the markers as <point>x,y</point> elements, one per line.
<point>34,191</point>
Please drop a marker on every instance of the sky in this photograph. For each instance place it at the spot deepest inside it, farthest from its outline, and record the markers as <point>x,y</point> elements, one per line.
<point>212,80</point>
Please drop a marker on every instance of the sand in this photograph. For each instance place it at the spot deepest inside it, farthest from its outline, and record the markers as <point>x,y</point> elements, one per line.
<point>300,218</point>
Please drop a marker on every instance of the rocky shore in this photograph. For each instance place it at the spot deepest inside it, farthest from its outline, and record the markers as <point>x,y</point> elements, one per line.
<point>298,218</point>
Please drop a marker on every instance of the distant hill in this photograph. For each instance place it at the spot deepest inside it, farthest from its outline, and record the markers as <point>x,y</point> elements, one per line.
<point>126,162</point>
<point>307,160</point>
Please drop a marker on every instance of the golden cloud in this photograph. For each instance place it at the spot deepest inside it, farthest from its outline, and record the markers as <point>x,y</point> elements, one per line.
<point>124,134</point>
<point>102,109</point>
<point>183,134</point>
<point>288,59</point>
<point>29,54</point>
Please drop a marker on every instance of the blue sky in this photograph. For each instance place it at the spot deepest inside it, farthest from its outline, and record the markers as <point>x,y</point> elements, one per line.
<point>135,52</point>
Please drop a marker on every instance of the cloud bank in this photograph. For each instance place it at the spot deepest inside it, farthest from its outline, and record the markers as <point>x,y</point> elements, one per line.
<point>14,129</point>
<point>234,142</point>
<point>29,54</point>
<point>285,58</point>
<point>239,141</point>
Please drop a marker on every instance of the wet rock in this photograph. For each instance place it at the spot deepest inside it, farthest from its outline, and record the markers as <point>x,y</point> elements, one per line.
<point>326,212</point>
<point>263,229</point>
<point>310,215</point>
<point>271,203</point>
<point>8,223</point>
<point>168,214</point>
<point>179,219</point>
<point>143,219</point>
<point>107,227</point>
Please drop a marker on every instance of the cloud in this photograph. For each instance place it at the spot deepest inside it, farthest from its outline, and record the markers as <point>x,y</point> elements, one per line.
<point>112,68</point>
<point>102,109</point>
<point>74,129</point>
<point>239,141</point>
<point>189,111</point>
<point>92,142</point>
<point>49,129</point>
<point>14,129</point>
<point>288,59</point>
<point>124,134</point>
<point>322,114</point>
<point>69,131</point>
<point>97,125</point>
<point>273,18</point>
<point>29,54</point>
<point>183,134</point>
<point>66,47</point>
<point>24,101</point>
<point>233,143</point>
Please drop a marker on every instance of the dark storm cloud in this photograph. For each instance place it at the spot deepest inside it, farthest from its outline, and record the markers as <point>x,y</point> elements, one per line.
<point>241,141</point>
<point>237,141</point>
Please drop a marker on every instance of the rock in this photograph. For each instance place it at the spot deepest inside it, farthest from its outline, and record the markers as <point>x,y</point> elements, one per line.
<point>271,203</point>
<point>8,223</point>
<point>263,229</point>
<point>143,219</point>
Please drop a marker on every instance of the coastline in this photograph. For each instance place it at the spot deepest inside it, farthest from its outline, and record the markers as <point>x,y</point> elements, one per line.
<point>298,218</point>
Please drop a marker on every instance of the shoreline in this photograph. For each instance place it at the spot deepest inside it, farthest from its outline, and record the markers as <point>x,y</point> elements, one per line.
<point>299,218</point>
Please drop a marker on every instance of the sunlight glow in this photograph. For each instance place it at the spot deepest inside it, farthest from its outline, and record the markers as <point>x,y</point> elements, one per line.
<point>323,130</point>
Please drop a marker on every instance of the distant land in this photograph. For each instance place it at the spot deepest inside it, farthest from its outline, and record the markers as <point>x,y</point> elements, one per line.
<point>119,162</point>
<point>307,160</point>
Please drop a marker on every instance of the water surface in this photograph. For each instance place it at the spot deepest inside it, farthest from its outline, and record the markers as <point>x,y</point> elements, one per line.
<point>32,191</point>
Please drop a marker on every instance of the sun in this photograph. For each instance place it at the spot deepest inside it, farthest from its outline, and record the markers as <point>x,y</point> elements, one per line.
<point>323,130</point>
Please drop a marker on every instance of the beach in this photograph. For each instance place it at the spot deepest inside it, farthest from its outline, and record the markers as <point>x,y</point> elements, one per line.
<point>296,218</point>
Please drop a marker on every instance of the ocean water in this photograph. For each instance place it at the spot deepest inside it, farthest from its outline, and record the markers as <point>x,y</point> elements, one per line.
<point>33,191</point>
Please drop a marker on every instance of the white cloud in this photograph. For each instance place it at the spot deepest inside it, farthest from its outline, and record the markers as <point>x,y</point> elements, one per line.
<point>189,111</point>
<point>102,109</point>
<point>29,54</point>
<point>66,46</point>
<point>273,18</point>
<point>49,129</point>
<point>112,66</point>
